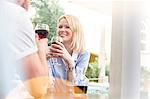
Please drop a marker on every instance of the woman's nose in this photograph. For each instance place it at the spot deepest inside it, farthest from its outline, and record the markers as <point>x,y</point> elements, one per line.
<point>62,29</point>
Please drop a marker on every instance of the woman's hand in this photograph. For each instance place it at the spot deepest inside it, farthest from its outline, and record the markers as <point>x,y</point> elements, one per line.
<point>58,50</point>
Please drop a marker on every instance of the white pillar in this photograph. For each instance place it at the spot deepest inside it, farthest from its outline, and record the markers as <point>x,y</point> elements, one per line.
<point>116,51</point>
<point>102,53</point>
<point>125,54</point>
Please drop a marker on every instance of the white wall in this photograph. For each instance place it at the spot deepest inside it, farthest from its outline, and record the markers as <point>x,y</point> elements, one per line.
<point>94,25</point>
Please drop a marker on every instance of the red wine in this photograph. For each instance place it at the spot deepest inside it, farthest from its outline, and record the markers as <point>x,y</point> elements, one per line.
<point>54,43</point>
<point>42,33</point>
<point>80,89</point>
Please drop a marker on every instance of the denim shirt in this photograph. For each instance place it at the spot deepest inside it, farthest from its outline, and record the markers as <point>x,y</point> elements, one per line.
<point>57,67</point>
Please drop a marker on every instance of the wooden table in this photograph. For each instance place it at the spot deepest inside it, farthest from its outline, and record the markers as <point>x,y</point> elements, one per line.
<point>64,90</point>
<point>74,96</point>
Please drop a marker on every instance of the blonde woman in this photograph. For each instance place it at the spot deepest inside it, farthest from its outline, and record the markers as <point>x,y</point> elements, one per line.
<point>71,55</point>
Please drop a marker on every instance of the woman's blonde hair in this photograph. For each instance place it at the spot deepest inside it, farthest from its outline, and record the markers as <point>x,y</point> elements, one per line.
<point>78,41</point>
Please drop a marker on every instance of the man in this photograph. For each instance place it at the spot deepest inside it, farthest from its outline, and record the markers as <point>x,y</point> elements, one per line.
<point>20,51</point>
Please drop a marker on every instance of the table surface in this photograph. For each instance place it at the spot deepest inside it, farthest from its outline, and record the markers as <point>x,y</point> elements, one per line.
<point>74,96</point>
<point>64,90</point>
<point>70,94</point>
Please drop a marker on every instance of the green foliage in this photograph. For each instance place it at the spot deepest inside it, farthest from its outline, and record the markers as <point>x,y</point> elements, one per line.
<point>145,76</point>
<point>145,72</point>
<point>93,69</point>
<point>47,11</point>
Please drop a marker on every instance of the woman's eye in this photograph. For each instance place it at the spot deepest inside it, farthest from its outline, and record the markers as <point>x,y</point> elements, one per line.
<point>67,27</point>
<point>60,26</point>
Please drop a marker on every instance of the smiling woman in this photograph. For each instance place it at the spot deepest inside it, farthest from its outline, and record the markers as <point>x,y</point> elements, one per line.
<point>70,56</point>
<point>97,29</point>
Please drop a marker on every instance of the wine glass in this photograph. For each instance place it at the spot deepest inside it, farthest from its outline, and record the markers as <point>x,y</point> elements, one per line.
<point>80,83</point>
<point>55,39</point>
<point>42,30</point>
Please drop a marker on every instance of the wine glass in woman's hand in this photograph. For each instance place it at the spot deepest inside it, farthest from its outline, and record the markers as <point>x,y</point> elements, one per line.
<point>42,30</point>
<point>55,39</point>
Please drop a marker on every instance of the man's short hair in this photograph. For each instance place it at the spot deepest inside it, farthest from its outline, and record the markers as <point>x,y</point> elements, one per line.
<point>13,1</point>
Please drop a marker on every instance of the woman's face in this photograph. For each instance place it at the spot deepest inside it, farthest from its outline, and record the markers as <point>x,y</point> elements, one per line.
<point>64,31</point>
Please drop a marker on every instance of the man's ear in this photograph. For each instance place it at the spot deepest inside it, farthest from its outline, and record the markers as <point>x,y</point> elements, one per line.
<point>24,3</point>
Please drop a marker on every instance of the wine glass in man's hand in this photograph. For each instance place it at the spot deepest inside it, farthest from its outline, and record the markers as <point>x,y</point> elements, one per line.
<point>42,30</point>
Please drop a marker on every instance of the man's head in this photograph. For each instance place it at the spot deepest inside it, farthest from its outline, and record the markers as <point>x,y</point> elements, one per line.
<point>23,3</point>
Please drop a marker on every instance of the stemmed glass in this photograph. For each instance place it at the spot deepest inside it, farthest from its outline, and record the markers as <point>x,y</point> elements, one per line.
<point>54,60</point>
<point>55,39</point>
<point>42,30</point>
<point>80,83</point>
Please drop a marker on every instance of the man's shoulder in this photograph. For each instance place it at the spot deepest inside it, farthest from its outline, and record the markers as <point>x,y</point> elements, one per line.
<point>11,7</point>
<point>12,13</point>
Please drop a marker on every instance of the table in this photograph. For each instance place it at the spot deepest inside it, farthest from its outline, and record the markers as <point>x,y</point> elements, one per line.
<point>68,93</point>
<point>61,90</point>
<point>64,90</point>
<point>74,96</point>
